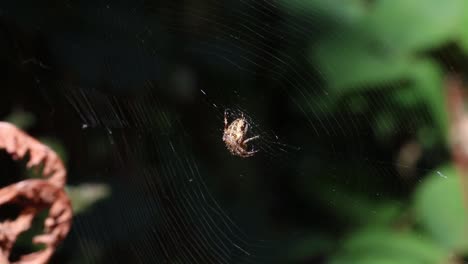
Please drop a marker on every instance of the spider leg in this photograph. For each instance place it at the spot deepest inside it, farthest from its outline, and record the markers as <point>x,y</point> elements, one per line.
<point>244,132</point>
<point>246,128</point>
<point>250,153</point>
<point>225,119</point>
<point>250,139</point>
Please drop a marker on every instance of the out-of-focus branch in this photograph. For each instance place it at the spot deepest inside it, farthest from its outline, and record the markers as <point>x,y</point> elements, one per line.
<point>33,196</point>
<point>458,120</point>
<point>17,143</point>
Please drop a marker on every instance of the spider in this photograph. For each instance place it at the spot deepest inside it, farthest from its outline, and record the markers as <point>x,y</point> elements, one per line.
<point>235,134</point>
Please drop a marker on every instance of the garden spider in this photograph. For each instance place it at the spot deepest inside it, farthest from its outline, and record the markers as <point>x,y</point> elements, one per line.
<point>234,136</point>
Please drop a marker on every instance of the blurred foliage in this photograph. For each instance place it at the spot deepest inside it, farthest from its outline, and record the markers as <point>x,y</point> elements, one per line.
<point>84,195</point>
<point>439,210</point>
<point>387,47</point>
<point>385,246</point>
<point>385,44</point>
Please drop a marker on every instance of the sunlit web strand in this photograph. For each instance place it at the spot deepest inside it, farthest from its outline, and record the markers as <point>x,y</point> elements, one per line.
<point>192,198</point>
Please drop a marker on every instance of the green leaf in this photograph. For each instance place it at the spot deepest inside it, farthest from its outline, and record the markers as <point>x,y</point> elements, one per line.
<point>85,195</point>
<point>379,48</point>
<point>464,29</point>
<point>427,80</point>
<point>411,25</point>
<point>21,119</point>
<point>380,245</point>
<point>350,60</point>
<point>406,97</point>
<point>439,209</point>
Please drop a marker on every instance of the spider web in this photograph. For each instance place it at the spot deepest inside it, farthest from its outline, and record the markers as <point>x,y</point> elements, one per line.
<point>144,86</point>
<point>170,182</point>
